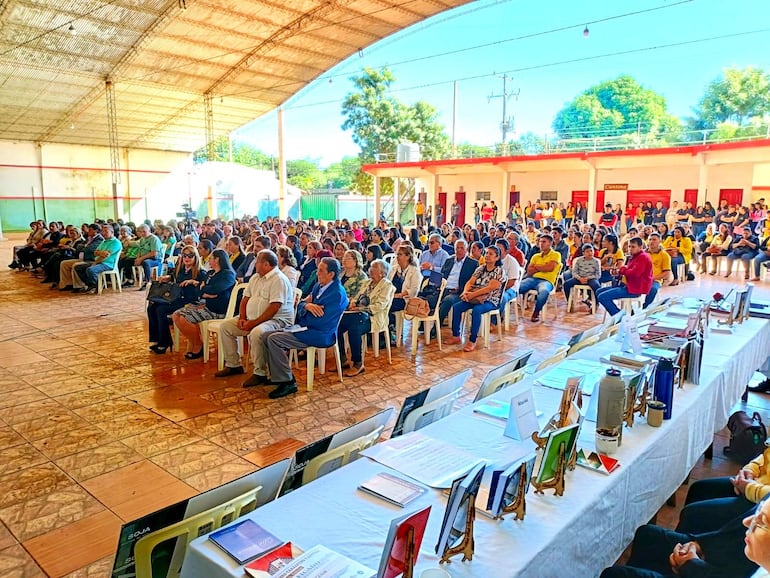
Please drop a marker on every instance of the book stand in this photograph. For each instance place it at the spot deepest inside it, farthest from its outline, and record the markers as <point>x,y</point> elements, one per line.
<point>519,504</point>
<point>467,544</point>
<point>410,556</point>
<point>557,482</point>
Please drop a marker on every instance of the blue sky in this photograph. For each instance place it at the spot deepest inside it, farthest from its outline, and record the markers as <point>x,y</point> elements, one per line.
<point>312,117</point>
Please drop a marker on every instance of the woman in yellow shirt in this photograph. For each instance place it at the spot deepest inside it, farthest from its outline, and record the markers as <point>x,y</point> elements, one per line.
<point>679,247</point>
<point>611,256</point>
<point>558,215</point>
<point>569,215</point>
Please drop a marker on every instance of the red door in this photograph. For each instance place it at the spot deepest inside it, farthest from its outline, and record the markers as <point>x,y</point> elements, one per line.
<point>691,196</point>
<point>460,200</point>
<point>513,198</point>
<point>441,203</point>
<point>652,195</point>
<point>580,197</point>
<point>732,196</point>
<point>599,201</point>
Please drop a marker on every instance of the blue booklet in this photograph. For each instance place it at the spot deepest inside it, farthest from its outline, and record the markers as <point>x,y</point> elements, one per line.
<point>245,540</point>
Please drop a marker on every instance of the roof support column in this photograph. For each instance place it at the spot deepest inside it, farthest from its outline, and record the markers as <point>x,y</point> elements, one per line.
<point>377,200</point>
<point>590,209</point>
<point>112,130</point>
<point>396,200</point>
<point>283,210</point>
<point>504,207</point>
<point>703,176</point>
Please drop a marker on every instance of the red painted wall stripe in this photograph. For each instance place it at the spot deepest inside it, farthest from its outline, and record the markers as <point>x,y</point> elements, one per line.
<point>53,167</point>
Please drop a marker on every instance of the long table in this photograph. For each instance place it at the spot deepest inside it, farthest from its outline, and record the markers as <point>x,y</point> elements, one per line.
<point>583,531</point>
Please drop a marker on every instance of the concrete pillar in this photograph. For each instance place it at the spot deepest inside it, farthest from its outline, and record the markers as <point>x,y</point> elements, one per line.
<point>283,210</point>
<point>396,199</point>
<point>703,175</point>
<point>377,200</point>
<point>591,194</point>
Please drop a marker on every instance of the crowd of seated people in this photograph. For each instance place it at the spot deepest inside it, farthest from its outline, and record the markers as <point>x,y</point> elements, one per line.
<point>485,266</point>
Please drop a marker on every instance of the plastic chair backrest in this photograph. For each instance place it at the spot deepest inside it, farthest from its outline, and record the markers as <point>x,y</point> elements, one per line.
<point>560,354</point>
<point>501,383</point>
<point>431,412</point>
<point>191,528</point>
<point>584,343</point>
<point>389,258</point>
<point>235,298</point>
<point>338,457</point>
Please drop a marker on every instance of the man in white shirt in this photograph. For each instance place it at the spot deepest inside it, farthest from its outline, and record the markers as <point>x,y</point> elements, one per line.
<point>227,231</point>
<point>267,305</point>
<point>433,258</point>
<point>512,270</point>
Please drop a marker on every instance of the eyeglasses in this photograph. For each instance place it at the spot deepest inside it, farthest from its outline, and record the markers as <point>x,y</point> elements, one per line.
<point>755,524</point>
<point>188,255</point>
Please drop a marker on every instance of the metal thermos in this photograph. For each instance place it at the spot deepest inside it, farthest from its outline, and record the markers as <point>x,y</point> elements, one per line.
<point>610,412</point>
<point>664,385</point>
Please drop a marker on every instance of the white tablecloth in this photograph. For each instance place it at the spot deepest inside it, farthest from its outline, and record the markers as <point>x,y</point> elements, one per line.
<point>577,534</point>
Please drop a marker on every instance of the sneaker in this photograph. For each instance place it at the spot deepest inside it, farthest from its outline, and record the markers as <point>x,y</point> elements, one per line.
<point>13,265</point>
<point>228,371</point>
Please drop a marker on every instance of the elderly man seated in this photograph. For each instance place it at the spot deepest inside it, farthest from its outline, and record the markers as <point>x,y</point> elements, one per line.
<point>267,305</point>
<point>318,316</point>
<point>106,255</point>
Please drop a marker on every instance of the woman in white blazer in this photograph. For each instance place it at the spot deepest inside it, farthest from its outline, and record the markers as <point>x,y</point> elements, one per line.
<point>405,277</point>
<point>368,313</point>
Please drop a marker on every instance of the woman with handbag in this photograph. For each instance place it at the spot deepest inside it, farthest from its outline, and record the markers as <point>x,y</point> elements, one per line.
<point>168,294</point>
<point>215,290</point>
<point>481,294</point>
<point>405,277</point>
<point>368,313</point>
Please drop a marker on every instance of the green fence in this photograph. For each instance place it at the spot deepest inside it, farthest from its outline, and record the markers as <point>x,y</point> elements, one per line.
<point>318,206</point>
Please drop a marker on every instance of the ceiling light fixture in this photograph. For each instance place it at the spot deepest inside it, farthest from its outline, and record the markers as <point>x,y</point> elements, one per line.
<point>72,30</point>
<point>586,32</point>
<point>72,125</point>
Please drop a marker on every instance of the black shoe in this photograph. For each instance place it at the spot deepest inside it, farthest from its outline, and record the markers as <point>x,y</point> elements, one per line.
<point>762,387</point>
<point>80,290</point>
<point>228,371</point>
<point>13,265</point>
<point>192,355</point>
<point>46,280</point>
<point>255,380</point>
<point>284,389</point>
<point>67,288</point>
<point>159,349</point>
<point>142,287</point>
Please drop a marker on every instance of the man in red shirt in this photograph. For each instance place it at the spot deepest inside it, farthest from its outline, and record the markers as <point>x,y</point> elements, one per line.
<point>638,279</point>
<point>609,218</point>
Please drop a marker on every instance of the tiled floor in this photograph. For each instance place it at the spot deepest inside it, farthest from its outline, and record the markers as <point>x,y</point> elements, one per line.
<point>96,431</point>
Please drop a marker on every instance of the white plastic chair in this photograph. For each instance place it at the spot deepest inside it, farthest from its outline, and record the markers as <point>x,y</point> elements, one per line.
<point>389,258</point>
<point>189,529</point>
<point>581,293</point>
<point>514,303</point>
<point>533,293</point>
<point>213,326</point>
<point>338,457</point>
<point>560,354</point>
<point>486,325</point>
<point>430,412</point>
<point>376,336</point>
<point>114,277</point>
<point>311,356</point>
<point>428,322</point>
<point>627,304</point>
<point>587,342</point>
<point>501,383</point>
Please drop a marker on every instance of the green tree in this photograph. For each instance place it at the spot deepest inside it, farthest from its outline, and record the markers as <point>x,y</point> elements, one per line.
<point>380,122</point>
<point>342,174</point>
<point>740,97</point>
<point>243,154</point>
<point>615,108</point>
<point>305,174</point>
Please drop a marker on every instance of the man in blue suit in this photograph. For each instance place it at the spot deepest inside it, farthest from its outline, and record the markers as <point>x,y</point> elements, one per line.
<point>457,272</point>
<point>319,313</point>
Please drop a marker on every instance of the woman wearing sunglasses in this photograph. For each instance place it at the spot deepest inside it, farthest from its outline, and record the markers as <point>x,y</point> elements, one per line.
<point>188,275</point>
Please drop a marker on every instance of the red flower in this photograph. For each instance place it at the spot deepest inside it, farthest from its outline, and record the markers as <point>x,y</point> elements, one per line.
<point>718,296</point>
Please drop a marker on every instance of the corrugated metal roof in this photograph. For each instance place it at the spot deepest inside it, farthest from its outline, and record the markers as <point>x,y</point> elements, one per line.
<point>163,56</point>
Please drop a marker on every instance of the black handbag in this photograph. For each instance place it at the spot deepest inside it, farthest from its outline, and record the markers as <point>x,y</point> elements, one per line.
<point>363,319</point>
<point>164,292</point>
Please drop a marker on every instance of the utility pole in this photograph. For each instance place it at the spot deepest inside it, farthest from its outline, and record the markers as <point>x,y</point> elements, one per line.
<point>506,125</point>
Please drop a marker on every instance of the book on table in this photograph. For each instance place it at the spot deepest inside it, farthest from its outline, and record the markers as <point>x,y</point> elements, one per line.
<point>321,562</point>
<point>245,540</point>
<point>403,543</point>
<point>269,564</point>
<point>392,489</point>
<point>464,489</point>
<point>505,484</point>
<point>597,462</point>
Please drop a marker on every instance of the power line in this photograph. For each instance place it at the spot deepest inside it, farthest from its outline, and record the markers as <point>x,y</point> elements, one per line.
<point>557,63</point>
<point>479,46</point>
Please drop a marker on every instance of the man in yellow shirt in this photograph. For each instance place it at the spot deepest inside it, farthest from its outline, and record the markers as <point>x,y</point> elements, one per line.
<point>542,271</point>
<point>661,266</point>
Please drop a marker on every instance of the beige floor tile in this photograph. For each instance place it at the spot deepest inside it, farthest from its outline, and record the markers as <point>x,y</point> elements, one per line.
<point>60,551</point>
<point>31,482</point>
<point>97,461</point>
<point>174,403</point>
<point>71,442</point>
<point>49,512</point>
<point>15,562</point>
<point>99,569</point>
<point>161,439</point>
<point>6,538</point>
<point>193,459</point>
<point>220,475</point>
<point>19,457</point>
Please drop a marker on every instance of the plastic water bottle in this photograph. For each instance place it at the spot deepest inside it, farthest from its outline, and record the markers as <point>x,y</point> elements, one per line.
<point>611,411</point>
<point>664,385</point>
